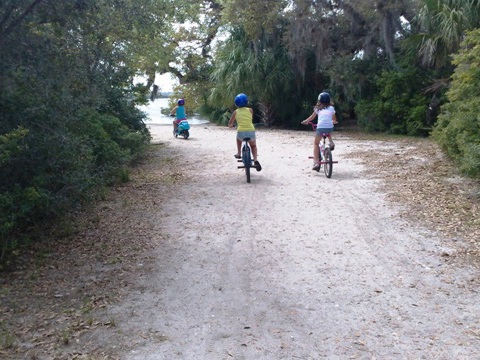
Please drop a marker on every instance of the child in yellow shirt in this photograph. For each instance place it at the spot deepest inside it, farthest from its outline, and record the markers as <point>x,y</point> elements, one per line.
<point>245,129</point>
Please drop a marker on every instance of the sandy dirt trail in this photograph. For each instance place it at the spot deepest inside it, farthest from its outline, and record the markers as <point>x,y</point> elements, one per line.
<point>290,266</point>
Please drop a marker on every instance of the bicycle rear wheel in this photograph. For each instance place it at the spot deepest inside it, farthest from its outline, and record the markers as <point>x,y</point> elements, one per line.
<point>328,167</point>
<point>247,160</point>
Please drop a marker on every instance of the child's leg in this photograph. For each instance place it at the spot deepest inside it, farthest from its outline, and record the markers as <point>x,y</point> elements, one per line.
<point>330,141</point>
<point>175,125</point>
<point>316,150</point>
<point>239,146</point>
<point>316,153</point>
<point>253,146</point>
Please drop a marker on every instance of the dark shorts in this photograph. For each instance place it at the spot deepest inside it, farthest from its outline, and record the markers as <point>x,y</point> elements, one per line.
<point>245,134</point>
<point>321,131</point>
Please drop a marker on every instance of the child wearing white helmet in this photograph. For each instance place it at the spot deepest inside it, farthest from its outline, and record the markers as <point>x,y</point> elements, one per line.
<point>326,119</point>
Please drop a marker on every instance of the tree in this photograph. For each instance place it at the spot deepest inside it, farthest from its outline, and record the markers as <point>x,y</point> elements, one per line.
<point>264,75</point>
<point>331,29</point>
<point>184,47</point>
<point>69,125</point>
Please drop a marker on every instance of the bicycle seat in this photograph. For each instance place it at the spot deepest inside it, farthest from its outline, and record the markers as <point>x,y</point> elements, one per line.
<point>246,139</point>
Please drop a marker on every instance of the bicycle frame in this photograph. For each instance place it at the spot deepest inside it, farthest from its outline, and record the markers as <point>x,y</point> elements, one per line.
<point>325,153</point>
<point>246,158</point>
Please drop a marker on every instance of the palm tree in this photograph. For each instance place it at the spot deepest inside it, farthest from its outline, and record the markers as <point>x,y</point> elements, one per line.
<point>259,68</point>
<point>232,70</point>
<point>442,27</point>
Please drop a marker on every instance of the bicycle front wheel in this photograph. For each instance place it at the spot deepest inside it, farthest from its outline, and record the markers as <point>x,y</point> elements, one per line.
<point>328,167</point>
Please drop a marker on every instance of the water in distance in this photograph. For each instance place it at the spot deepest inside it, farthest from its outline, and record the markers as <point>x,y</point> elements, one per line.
<point>155,116</point>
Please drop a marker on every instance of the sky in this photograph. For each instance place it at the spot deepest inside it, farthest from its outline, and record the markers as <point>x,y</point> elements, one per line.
<point>166,82</point>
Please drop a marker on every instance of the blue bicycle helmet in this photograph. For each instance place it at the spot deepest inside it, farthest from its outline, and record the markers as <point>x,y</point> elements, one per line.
<point>324,98</point>
<point>241,100</point>
<point>180,102</point>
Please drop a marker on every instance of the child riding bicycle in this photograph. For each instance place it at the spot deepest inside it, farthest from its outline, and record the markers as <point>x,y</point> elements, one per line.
<point>326,119</point>
<point>245,128</point>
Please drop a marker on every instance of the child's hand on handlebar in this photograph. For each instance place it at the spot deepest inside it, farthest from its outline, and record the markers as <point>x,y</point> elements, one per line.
<point>304,122</point>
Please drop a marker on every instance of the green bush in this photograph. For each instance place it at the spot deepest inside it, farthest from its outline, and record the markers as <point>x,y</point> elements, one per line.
<point>458,127</point>
<point>370,116</point>
<point>53,158</point>
<point>397,105</point>
<point>46,173</point>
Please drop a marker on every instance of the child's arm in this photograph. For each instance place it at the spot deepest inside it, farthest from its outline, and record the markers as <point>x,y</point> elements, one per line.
<point>173,110</point>
<point>310,118</point>
<point>334,118</point>
<point>232,119</point>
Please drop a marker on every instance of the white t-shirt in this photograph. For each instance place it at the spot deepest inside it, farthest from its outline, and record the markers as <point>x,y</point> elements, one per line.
<point>325,117</point>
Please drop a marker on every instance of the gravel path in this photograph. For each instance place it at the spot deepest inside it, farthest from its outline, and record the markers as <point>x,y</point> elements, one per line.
<point>293,265</point>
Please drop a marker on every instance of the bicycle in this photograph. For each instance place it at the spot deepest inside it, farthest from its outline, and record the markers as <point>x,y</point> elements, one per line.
<point>246,158</point>
<point>326,158</point>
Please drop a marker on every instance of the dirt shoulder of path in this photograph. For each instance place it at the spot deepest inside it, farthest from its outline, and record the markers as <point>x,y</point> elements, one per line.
<point>51,305</point>
<point>430,188</point>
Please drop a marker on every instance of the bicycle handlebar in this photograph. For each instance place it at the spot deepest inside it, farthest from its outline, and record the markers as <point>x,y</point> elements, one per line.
<point>314,126</point>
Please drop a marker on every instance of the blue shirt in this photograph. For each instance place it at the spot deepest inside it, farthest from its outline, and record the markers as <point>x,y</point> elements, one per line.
<point>180,113</point>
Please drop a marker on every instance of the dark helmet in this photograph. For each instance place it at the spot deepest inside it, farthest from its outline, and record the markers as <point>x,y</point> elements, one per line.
<point>180,102</point>
<point>324,98</point>
<point>241,100</point>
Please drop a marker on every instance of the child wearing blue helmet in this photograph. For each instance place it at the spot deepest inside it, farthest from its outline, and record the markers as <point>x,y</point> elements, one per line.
<point>326,119</point>
<point>245,129</point>
<point>179,112</point>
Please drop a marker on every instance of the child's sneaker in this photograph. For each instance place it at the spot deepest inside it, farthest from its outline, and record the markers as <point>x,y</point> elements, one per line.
<point>316,167</point>
<point>332,145</point>
<point>257,165</point>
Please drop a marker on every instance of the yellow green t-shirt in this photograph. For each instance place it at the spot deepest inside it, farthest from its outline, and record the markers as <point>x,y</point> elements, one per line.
<point>244,119</point>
